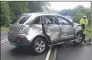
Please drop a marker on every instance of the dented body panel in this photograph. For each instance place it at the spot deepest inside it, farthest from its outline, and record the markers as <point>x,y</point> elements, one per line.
<point>29,31</point>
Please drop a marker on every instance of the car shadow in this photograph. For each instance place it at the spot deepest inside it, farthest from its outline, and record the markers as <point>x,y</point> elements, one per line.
<point>23,51</point>
<point>27,51</point>
<point>69,45</point>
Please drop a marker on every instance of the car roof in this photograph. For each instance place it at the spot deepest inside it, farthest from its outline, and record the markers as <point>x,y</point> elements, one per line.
<point>41,13</point>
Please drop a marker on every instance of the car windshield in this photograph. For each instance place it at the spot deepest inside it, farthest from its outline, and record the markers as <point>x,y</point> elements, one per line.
<point>69,18</point>
<point>23,19</point>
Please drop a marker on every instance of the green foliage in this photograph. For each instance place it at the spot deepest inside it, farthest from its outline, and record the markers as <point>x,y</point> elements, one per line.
<point>18,8</point>
<point>5,14</point>
<point>37,6</point>
<point>77,13</point>
<point>88,14</point>
<point>77,17</point>
<point>11,11</point>
<point>4,28</point>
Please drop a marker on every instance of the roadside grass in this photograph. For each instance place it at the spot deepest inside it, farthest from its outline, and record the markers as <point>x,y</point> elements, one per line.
<point>4,28</point>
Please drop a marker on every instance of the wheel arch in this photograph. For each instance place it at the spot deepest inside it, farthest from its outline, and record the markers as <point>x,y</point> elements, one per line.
<point>46,38</point>
<point>79,31</point>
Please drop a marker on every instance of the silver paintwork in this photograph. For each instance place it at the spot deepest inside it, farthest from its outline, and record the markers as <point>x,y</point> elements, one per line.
<point>77,27</point>
<point>34,31</point>
<point>54,31</point>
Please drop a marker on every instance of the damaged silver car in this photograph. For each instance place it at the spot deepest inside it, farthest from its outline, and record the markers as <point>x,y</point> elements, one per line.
<point>40,30</point>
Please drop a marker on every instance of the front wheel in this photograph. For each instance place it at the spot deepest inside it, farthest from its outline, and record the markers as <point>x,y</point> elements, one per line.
<point>79,38</point>
<point>39,45</point>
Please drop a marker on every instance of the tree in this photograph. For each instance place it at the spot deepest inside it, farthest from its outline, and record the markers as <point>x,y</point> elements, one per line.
<point>37,6</point>
<point>88,14</point>
<point>77,17</point>
<point>67,12</point>
<point>18,8</point>
<point>11,11</point>
<point>24,7</point>
<point>77,13</point>
<point>5,14</point>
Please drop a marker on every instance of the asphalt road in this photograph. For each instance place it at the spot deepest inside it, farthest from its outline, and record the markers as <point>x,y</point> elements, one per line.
<point>3,35</point>
<point>64,52</point>
<point>9,52</point>
<point>74,52</point>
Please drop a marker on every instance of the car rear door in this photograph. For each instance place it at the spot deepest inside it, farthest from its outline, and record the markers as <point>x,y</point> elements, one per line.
<point>67,31</point>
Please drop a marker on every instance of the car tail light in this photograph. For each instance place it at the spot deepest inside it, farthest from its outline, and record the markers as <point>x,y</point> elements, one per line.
<point>18,41</point>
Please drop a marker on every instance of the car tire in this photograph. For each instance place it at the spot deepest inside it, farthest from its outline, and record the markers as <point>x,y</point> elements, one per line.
<point>79,38</point>
<point>39,45</point>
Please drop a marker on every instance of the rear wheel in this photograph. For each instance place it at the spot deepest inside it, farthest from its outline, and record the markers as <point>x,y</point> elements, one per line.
<point>39,45</point>
<point>79,38</point>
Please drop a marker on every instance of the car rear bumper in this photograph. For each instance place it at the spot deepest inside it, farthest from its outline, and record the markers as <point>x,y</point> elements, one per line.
<point>18,40</point>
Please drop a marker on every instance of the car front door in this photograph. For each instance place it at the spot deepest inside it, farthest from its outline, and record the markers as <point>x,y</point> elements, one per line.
<point>52,28</point>
<point>67,31</point>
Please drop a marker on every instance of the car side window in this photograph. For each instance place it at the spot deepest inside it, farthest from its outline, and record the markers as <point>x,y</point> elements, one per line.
<point>50,19</point>
<point>37,20</point>
<point>62,21</point>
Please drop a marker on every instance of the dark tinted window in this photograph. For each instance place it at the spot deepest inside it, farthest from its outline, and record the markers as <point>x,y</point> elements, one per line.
<point>23,19</point>
<point>50,19</point>
<point>37,20</point>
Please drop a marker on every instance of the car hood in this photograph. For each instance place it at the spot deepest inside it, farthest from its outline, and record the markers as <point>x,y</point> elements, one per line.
<point>77,24</point>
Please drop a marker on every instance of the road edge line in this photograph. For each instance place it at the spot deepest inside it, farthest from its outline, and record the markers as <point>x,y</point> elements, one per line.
<point>48,54</point>
<point>3,41</point>
<point>55,52</point>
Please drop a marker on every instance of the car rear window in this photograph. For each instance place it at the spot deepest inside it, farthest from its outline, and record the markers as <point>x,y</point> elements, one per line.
<point>23,19</point>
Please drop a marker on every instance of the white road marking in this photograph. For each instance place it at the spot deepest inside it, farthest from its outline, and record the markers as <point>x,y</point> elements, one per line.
<point>55,52</point>
<point>3,41</point>
<point>48,54</point>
